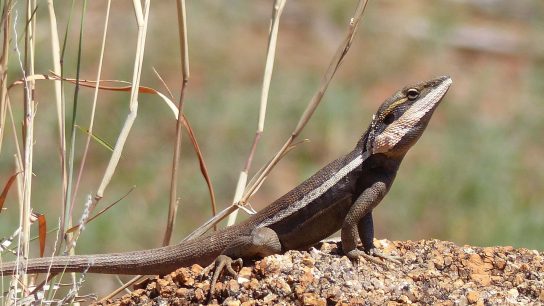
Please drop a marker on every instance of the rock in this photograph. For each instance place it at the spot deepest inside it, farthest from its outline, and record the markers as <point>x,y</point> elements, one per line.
<point>473,297</point>
<point>433,272</point>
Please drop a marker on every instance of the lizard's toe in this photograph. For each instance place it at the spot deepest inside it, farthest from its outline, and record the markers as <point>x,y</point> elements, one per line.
<point>355,254</point>
<point>372,255</point>
<point>392,258</point>
<point>222,262</point>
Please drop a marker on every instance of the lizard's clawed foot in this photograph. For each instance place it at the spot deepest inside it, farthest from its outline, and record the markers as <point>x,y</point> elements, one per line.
<point>392,258</point>
<point>221,263</point>
<point>371,256</point>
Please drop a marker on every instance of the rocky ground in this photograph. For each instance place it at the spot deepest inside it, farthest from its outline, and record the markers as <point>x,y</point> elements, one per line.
<point>433,272</point>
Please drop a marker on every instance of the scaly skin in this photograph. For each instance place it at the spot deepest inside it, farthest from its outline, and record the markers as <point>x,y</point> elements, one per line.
<point>340,196</point>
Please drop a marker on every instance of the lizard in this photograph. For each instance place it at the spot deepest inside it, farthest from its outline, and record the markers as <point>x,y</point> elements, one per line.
<point>340,196</point>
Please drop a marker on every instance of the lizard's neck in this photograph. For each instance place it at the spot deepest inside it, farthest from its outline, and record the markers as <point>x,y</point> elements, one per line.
<point>385,162</point>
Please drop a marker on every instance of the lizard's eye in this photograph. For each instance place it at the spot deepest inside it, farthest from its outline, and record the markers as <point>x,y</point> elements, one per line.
<point>412,94</point>
<point>389,119</point>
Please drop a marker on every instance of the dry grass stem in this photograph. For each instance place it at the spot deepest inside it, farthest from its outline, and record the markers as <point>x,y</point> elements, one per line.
<point>103,210</point>
<point>142,20</point>
<point>55,51</point>
<point>93,110</point>
<point>184,50</point>
<point>170,94</point>
<point>183,45</point>
<point>60,104</point>
<point>28,132</point>
<point>17,155</point>
<point>316,99</point>
<point>312,105</point>
<point>17,158</point>
<point>6,19</point>
<point>267,78</point>
<point>121,288</point>
<point>239,191</point>
<point>61,108</point>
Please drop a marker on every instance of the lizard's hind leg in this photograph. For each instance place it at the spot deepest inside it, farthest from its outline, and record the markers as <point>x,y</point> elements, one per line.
<point>262,241</point>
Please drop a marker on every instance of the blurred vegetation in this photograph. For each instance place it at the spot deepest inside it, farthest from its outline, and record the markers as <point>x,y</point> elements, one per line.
<point>476,176</point>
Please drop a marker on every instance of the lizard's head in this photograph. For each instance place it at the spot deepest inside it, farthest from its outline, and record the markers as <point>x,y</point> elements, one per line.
<point>401,119</point>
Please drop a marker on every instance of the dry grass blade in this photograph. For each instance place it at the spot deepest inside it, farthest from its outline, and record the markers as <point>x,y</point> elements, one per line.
<point>196,147</point>
<point>68,205</point>
<point>42,230</point>
<point>121,288</point>
<point>183,45</point>
<point>267,78</point>
<point>312,105</point>
<point>5,243</point>
<point>163,83</point>
<point>28,127</point>
<point>66,218</point>
<point>96,138</point>
<point>203,168</point>
<point>149,90</point>
<point>77,226</point>
<point>93,109</point>
<point>316,99</point>
<point>87,83</point>
<point>211,222</point>
<point>289,149</point>
<point>55,52</point>
<point>31,240</point>
<point>142,21</point>
<point>5,24</point>
<point>173,198</point>
<point>7,186</point>
<point>143,90</point>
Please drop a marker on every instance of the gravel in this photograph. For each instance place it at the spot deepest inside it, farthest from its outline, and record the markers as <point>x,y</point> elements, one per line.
<point>433,272</point>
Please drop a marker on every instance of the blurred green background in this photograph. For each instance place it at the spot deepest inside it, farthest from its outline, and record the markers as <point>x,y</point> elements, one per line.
<point>475,177</point>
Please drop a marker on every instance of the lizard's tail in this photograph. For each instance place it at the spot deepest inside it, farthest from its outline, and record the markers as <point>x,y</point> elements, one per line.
<point>153,261</point>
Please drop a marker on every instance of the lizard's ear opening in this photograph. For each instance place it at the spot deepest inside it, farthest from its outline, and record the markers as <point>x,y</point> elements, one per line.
<point>389,119</point>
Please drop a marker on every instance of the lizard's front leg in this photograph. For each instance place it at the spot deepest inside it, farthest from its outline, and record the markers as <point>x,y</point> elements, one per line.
<point>262,241</point>
<point>366,233</point>
<point>358,223</point>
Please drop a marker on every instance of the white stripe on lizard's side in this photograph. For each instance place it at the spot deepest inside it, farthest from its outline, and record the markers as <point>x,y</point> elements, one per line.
<point>317,192</point>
